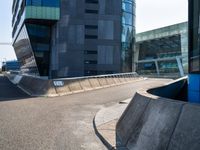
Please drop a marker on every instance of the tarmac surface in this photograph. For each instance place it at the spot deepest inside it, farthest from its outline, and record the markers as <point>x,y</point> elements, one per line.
<point>60,123</point>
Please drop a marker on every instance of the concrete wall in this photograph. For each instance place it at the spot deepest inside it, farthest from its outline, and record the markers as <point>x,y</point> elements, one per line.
<point>35,86</point>
<point>155,123</point>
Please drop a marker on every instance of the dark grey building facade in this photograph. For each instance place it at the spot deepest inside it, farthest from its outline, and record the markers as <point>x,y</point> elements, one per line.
<point>70,38</point>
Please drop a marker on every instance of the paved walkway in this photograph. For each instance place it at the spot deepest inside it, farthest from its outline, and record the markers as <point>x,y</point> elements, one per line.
<point>105,123</point>
<point>60,123</point>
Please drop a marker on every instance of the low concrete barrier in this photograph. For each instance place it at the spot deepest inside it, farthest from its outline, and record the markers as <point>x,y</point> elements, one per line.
<point>73,85</point>
<point>43,87</point>
<point>152,122</point>
<point>37,86</point>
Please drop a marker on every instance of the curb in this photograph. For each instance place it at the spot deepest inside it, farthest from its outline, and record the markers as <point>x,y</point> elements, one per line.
<point>103,140</point>
<point>99,121</point>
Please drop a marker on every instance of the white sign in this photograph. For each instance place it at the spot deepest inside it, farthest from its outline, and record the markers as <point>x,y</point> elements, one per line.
<point>58,83</point>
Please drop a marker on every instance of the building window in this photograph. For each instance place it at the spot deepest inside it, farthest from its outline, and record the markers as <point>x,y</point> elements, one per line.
<point>92,1</point>
<point>91,27</point>
<point>48,3</point>
<point>91,36</point>
<point>89,11</point>
<point>90,72</point>
<point>90,52</point>
<point>90,62</point>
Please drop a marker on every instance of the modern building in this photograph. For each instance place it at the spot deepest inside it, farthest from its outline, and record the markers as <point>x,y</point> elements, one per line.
<point>162,50</point>
<point>194,51</point>
<point>72,38</point>
<point>10,66</point>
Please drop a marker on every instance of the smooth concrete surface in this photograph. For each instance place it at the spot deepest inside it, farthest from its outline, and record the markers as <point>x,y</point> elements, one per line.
<point>59,123</point>
<point>154,128</point>
<point>133,115</point>
<point>187,133</point>
<point>156,123</point>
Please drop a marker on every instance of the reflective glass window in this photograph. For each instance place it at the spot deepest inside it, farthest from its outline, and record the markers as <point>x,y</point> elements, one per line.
<point>127,33</point>
<point>48,3</point>
<point>127,18</point>
<point>127,7</point>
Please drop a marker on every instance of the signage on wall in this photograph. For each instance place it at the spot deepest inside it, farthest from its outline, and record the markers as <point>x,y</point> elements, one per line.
<point>58,83</point>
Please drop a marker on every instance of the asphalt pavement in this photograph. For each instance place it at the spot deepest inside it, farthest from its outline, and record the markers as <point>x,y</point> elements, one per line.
<point>60,123</point>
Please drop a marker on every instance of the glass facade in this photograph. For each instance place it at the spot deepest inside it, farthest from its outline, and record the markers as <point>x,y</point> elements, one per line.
<point>40,37</point>
<point>46,3</point>
<point>128,32</point>
<point>24,53</point>
<point>32,42</point>
<point>165,46</point>
<point>194,36</point>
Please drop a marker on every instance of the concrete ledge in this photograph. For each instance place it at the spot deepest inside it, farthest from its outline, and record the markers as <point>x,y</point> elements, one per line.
<point>36,86</point>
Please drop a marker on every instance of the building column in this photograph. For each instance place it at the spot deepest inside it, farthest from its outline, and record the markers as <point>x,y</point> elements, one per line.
<point>157,67</point>
<point>180,66</point>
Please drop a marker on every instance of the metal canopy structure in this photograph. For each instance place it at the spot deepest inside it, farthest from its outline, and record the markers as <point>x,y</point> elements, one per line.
<point>5,43</point>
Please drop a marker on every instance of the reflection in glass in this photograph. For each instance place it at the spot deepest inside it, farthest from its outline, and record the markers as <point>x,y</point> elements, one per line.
<point>40,40</point>
<point>24,53</point>
<point>127,37</point>
<point>127,18</point>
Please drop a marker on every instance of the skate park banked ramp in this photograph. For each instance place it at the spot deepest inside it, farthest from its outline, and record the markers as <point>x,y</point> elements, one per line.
<point>153,122</point>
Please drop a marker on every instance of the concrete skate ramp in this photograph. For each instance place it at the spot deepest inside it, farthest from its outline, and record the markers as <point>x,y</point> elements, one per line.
<point>9,91</point>
<point>36,86</point>
<point>156,123</point>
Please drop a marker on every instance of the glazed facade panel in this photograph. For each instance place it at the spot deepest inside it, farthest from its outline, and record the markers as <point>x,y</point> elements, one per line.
<point>82,37</point>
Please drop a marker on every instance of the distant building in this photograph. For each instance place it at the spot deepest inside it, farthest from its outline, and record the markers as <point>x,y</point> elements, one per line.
<point>71,38</point>
<point>11,66</point>
<point>157,51</point>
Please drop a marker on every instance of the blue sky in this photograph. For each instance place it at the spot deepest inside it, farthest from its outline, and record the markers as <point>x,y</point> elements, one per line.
<point>149,14</point>
<point>6,30</point>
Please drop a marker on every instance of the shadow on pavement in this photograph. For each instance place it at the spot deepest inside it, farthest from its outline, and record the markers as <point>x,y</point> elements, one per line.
<point>9,91</point>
